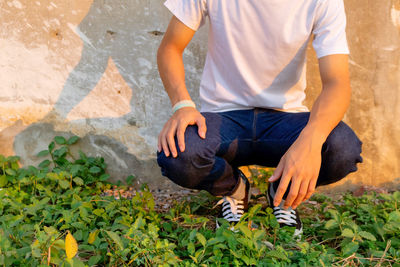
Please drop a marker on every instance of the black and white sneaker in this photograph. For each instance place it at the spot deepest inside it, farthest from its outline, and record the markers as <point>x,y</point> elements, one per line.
<point>288,217</point>
<point>235,205</point>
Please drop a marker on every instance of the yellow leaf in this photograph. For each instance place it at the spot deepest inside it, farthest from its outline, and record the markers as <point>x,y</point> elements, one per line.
<point>71,246</point>
<point>92,236</point>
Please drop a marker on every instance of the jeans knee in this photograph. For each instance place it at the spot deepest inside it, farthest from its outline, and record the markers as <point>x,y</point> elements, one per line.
<point>340,154</point>
<point>188,169</point>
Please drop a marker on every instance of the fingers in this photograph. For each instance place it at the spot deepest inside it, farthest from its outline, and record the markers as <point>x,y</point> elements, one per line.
<point>301,194</point>
<point>201,124</point>
<point>293,193</point>
<point>181,136</point>
<point>177,126</point>
<point>278,171</point>
<point>164,146</point>
<point>311,187</point>
<point>283,184</point>
<point>167,139</point>
<point>159,147</point>
<point>170,137</point>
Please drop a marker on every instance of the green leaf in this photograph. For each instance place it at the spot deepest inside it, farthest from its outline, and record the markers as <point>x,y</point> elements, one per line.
<point>78,225</point>
<point>115,237</point>
<point>201,239</point>
<point>43,153</point>
<point>379,230</point>
<point>98,212</point>
<point>94,170</point>
<point>104,177</point>
<point>72,140</point>
<point>215,240</point>
<point>77,263</point>
<point>276,254</point>
<point>348,233</point>
<point>394,216</point>
<point>59,244</point>
<point>167,227</point>
<point>191,248</point>
<point>60,140</point>
<point>330,224</point>
<point>14,165</point>
<point>53,176</point>
<point>245,230</point>
<point>61,152</point>
<point>130,179</point>
<point>258,234</point>
<point>64,184</point>
<point>83,212</point>
<point>78,181</point>
<point>94,260</point>
<point>3,180</point>
<point>245,259</point>
<point>334,214</point>
<point>11,172</point>
<point>51,146</point>
<point>44,164</point>
<point>75,169</point>
<point>82,155</point>
<point>93,236</point>
<point>367,235</point>
<point>377,253</point>
<point>350,248</point>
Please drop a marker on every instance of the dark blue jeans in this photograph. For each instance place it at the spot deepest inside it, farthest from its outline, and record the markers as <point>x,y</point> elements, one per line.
<point>246,137</point>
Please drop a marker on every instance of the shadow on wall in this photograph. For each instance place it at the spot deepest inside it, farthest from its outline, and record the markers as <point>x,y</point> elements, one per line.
<point>37,137</point>
<point>124,31</point>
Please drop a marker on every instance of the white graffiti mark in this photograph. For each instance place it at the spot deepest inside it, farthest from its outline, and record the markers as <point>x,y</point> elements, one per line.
<point>15,3</point>
<point>395,15</point>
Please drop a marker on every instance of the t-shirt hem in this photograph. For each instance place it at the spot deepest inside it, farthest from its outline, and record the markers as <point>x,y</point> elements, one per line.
<point>224,109</point>
<point>324,53</point>
<point>291,110</point>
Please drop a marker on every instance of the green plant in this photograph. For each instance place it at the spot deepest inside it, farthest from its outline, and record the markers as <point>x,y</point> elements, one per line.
<point>39,205</point>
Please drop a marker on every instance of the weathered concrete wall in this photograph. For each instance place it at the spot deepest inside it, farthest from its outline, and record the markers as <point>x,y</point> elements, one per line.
<point>89,68</point>
<point>373,31</point>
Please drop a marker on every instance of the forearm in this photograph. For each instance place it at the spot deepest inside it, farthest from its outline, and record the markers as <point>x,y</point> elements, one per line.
<point>328,111</point>
<point>302,162</point>
<point>172,73</point>
<point>170,66</point>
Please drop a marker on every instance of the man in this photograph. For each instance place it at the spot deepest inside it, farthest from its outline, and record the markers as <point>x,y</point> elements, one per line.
<point>251,94</point>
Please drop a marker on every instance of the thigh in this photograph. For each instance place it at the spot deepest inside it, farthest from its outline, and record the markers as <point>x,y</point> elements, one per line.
<point>275,132</point>
<point>231,130</point>
<point>227,135</point>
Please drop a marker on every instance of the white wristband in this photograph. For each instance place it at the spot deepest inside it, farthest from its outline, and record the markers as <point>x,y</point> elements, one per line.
<point>183,104</point>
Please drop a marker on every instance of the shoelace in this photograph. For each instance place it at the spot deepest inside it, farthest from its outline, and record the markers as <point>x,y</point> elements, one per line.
<point>287,217</point>
<point>232,209</point>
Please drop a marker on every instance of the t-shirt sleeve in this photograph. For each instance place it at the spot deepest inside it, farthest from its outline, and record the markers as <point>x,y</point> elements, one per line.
<point>192,13</point>
<point>330,29</point>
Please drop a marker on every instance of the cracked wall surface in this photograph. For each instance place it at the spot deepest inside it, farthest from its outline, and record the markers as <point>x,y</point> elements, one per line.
<point>89,68</point>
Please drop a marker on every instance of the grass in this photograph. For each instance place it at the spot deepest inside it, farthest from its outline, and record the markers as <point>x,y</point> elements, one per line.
<point>40,204</point>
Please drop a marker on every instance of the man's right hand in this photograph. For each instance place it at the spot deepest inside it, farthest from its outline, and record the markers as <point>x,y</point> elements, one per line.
<point>177,125</point>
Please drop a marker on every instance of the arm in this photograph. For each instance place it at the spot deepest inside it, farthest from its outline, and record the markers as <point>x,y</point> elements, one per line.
<point>172,73</point>
<point>302,162</point>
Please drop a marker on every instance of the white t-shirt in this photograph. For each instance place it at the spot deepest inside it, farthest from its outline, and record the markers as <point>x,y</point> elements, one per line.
<point>257,48</point>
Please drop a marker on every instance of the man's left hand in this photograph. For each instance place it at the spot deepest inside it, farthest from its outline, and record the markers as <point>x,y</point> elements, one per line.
<point>300,165</point>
